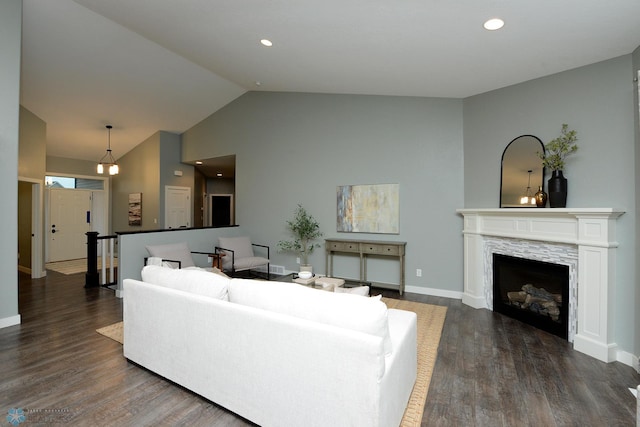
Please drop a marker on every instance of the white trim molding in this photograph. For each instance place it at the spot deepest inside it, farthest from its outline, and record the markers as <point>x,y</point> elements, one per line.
<point>591,230</point>
<point>10,321</point>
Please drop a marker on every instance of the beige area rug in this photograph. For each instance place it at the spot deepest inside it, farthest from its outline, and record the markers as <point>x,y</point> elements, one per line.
<point>74,266</point>
<point>430,323</point>
<point>115,332</point>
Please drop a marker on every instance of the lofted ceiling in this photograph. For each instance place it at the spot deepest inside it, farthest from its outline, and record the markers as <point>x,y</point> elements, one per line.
<point>149,65</point>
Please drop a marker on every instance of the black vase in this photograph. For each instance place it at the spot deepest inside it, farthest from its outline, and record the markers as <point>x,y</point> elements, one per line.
<point>557,186</point>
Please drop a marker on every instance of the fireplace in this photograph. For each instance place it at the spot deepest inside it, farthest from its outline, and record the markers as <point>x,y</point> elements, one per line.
<point>532,291</point>
<point>582,238</point>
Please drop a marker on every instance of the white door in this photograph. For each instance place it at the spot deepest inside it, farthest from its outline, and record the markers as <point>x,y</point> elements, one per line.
<point>177,202</point>
<point>69,221</point>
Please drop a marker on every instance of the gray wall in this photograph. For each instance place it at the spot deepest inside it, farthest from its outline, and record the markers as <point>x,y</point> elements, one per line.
<point>10,32</point>
<point>598,102</point>
<point>32,153</point>
<point>297,148</point>
<point>636,118</point>
<point>170,154</point>
<point>66,166</point>
<point>147,169</point>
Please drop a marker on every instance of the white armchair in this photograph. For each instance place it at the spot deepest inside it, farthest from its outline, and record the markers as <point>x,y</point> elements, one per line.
<point>177,255</point>
<point>173,255</point>
<point>239,255</point>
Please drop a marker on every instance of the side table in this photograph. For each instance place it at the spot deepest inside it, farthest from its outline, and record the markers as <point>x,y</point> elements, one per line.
<point>216,260</point>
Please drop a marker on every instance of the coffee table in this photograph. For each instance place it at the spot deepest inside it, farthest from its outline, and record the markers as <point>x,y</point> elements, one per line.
<point>348,283</point>
<point>290,278</point>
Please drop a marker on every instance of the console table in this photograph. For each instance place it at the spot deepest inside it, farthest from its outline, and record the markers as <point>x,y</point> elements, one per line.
<point>364,248</point>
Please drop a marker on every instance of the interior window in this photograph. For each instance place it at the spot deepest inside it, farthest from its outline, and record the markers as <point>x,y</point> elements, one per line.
<point>69,182</point>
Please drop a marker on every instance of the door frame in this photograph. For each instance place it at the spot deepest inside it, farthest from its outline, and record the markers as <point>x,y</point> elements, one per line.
<point>106,211</point>
<point>167,189</point>
<point>37,226</point>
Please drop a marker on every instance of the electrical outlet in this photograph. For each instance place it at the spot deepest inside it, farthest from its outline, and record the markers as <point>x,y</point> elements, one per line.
<point>419,272</point>
<point>298,260</point>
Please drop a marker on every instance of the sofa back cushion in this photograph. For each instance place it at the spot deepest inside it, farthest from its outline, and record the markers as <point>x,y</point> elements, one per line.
<point>195,281</point>
<point>348,311</point>
<point>173,251</point>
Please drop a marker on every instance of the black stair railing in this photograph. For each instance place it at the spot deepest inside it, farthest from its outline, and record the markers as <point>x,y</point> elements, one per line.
<point>93,278</point>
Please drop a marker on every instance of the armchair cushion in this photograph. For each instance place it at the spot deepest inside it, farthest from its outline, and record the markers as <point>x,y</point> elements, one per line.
<point>243,256</point>
<point>241,246</point>
<point>173,251</point>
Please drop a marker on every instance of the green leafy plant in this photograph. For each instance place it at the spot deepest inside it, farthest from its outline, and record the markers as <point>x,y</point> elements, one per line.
<point>559,148</point>
<point>305,230</point>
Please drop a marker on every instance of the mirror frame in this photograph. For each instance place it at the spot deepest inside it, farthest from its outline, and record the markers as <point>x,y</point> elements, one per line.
<point>528,161</point>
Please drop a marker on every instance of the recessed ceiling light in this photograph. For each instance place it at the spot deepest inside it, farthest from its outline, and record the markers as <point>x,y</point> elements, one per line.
<point>198,162</point>
<point>266,42</point>
<point>494,24</point>
<point>219,174</point>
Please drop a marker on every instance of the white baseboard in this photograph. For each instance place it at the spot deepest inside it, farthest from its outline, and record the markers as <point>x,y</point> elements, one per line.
<point>433,292</point>
<point>628,359</point>
<point>10,321</point>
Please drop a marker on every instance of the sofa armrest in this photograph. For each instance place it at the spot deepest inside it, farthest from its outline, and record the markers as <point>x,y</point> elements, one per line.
<point>401,365</point>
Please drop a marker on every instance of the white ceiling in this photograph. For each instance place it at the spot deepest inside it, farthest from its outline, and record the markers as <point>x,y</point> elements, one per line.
<point>149,65</point>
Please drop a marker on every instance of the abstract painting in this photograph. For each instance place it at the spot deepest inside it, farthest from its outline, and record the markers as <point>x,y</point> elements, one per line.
<point>369,208</point>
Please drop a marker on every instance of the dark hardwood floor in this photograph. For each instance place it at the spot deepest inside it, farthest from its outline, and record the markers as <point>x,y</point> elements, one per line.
<point>490,371</point>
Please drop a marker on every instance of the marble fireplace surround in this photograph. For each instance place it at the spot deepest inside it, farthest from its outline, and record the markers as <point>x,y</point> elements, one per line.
<point>583,238</point>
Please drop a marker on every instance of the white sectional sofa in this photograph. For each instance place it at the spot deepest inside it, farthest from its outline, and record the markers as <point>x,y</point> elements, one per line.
<point>277,354</point>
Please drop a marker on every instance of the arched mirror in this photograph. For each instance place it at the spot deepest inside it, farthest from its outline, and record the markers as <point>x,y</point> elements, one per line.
<point>522,172</point>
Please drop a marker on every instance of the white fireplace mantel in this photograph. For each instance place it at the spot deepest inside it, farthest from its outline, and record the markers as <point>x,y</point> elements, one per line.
<point>591,230</point>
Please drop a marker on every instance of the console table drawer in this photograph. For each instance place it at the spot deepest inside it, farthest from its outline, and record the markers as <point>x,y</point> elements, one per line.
<point>390,250</point>
<point>368,248</point>
<point>343,247</point>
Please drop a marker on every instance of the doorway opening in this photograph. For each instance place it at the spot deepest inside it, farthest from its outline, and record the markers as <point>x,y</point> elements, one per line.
<point>73,206</point>
<point>221,209</point>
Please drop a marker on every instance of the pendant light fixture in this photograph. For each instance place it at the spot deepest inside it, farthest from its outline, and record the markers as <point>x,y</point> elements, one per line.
<point>528,199</point>
<point>107,160</point>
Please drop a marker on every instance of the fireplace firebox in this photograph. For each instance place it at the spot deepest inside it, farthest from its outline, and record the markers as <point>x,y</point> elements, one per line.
<point>532,291</point>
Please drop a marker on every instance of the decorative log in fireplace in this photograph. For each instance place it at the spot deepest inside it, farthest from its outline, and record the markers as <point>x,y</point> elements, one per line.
<point>537,300</point>
<point>532,291</point>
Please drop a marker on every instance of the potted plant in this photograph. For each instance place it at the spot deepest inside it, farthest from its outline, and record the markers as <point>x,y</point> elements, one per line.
<point>553,159</point>
<point>305,230</point>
